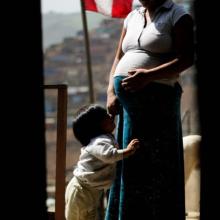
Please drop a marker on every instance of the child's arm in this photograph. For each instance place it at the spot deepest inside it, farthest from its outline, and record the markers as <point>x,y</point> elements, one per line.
<point>104,150</point>
<point>131,148</point>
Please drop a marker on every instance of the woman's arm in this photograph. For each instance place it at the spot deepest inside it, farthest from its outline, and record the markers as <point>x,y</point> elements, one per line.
<point>183,41</point>
<point>112,102</point>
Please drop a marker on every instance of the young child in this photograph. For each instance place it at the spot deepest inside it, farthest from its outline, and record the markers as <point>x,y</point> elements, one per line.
<point>95,170</point>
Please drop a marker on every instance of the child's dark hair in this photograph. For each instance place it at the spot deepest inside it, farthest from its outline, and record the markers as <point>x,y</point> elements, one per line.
<point>86,124</point>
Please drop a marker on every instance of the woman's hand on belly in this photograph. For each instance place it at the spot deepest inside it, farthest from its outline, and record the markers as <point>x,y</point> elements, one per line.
<point>137,79</point>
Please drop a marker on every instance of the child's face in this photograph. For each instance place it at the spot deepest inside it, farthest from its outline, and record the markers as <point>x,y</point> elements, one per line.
<point>108,124</point>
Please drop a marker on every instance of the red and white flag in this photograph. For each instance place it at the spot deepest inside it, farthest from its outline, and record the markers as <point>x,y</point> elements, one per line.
<point>112,8</point>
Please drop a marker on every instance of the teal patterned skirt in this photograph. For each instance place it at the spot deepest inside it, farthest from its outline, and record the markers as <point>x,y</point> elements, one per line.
<point>149,184</point>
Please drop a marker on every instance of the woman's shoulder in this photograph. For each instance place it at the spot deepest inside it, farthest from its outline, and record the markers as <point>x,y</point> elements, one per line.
<point>134,14</point>
<point>136,11</point>
<point>177,12</point>
<point>179,9</point>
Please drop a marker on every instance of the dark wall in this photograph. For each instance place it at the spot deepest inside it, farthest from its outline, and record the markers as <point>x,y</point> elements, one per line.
<point>207,63</point>
<point>22,115</point>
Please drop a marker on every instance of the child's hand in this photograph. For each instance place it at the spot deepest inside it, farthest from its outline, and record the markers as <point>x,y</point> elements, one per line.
<point>133,146</point>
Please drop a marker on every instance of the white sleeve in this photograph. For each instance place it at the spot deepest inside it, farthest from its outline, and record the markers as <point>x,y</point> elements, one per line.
<point>178,12</point>
<point>126,20</point>
<point>105,150</point>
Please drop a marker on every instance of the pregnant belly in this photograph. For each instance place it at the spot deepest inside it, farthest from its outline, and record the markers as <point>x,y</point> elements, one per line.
<point>133,60</point>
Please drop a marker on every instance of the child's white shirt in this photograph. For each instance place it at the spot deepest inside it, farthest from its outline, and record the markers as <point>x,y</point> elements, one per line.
<point>97,162</point>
